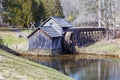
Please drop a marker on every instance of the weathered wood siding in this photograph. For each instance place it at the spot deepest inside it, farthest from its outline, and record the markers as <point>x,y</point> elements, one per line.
<point>56,43</point>
<point>40,40</point>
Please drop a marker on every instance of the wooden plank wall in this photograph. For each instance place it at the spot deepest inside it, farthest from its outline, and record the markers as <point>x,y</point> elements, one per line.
<point>56,43</point>
<point>40,40</point>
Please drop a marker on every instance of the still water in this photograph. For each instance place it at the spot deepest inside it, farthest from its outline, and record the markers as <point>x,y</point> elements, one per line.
<point>83,67</point>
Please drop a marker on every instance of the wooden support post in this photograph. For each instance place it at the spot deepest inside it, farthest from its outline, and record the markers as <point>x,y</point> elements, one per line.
<point>80,34</point>
<point>75,37</point>
<point>88,36</point>
<point>84,37</point>
<point>97,38</point>
<point>93,36</point>
<point>78,38</point>
<point>81,40</point>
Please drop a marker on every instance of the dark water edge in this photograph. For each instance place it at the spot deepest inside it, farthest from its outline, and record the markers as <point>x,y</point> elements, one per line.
<point>82,67</point>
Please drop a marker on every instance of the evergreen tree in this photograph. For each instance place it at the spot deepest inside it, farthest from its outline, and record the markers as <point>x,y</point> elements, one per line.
<point>18,12</point>
<point>38,10</point>
<point>13,11</point>
<point>52,8</point>
<point>22,12</point>
<point>57,9</point>
<point>26,12</point>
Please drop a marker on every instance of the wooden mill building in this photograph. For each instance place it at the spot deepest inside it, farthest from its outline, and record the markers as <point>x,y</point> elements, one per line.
<point>48,37</point>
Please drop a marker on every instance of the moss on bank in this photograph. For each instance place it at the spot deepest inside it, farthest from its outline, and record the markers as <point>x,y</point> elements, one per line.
<point>17,68</point>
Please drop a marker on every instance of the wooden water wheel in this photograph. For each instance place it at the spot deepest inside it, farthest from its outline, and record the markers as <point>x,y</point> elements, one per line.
<point>68,42</point>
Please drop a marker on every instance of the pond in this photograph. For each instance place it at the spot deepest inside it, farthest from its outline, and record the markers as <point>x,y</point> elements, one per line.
<point>81,67</point>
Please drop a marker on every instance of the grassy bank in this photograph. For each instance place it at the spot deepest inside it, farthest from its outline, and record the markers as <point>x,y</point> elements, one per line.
<point>16,68</point>
<point>11,29</point>
<point>103,47</point>
<point>11,38</point>
<point>15,39</point>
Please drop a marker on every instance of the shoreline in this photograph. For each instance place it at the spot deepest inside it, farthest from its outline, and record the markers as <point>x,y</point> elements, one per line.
<point>84,53</point>
<point>16,69</point>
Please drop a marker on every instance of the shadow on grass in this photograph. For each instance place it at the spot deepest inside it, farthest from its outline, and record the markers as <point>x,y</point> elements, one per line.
<point>5,48</point>
<point>89,44</point>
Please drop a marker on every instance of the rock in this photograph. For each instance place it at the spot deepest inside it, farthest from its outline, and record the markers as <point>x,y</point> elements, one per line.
<point>20,36</point>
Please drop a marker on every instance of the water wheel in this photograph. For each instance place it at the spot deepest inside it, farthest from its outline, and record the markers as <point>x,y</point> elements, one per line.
<point>68,44</point>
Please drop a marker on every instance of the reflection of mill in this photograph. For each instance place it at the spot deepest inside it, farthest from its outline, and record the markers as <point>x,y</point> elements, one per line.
<point>93,69</point>
<point>108,70</point>
<point>68,67</point>
<point>82,68</point>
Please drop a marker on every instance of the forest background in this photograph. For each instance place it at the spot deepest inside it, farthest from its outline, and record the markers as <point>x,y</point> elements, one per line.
<point>22,12</point>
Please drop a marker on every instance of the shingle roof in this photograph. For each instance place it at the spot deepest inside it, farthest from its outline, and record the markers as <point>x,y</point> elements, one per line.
<point>49,30</point>
<point>58,20</point>
<point>62,22</point>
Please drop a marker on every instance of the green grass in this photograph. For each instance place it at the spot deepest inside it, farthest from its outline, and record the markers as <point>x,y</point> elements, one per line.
<point>17,68</point>
<point>109,47</point>
<point>13,40</point>
<point>102,47</point>
<point>11,29</point>
<point>10,38</point>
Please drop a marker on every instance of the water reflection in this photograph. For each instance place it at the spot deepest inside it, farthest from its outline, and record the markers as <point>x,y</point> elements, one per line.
<point>83,68</point>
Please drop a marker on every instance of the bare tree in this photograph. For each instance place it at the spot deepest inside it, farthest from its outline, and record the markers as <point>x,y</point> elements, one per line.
<point>99,13</point>
<point>105,12</point>
<point>108,17</point>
